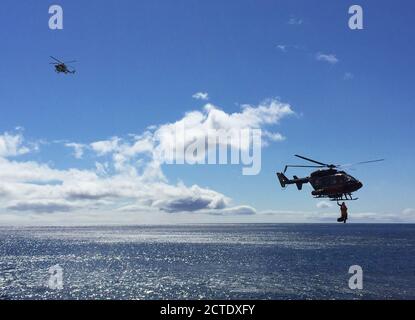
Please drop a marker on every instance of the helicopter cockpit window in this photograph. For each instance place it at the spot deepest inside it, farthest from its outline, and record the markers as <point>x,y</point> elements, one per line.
<point>341,179</point>
<point>348,178</point>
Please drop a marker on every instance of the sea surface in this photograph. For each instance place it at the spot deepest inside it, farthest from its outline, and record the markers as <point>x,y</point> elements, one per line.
<point>238,261</point>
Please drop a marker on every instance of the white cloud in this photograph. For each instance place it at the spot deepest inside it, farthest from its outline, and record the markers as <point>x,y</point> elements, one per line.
<point>323,205</point>
<point>37,188</point>
<point>106,146</point>
<point>200,124</point>
<point>330,58</point>
<point>183,199</point>
<point>273,136</point>
<point>295,21</point>
<point>156,143</point>
<point>409,212</point>
<point>126,183</point>
<point>238,210</point>
<point>78,149</point>
<point>129,181</point>
<point>11,145</point>
<point>282,47</point>
<point>101,168</point>
<point>201,96</point>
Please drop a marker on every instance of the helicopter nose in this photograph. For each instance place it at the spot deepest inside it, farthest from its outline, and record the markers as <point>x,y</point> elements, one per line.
<point>359,185</point>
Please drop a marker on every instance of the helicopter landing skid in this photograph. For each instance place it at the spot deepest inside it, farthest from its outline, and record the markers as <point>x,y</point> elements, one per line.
<point>344,197</point>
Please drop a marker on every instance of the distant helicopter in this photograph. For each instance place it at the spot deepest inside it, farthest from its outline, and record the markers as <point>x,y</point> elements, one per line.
<point>327,183</point>
<point>60,67</point>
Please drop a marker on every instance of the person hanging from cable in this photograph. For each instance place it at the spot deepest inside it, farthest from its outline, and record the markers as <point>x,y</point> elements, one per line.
<point>343,211</point>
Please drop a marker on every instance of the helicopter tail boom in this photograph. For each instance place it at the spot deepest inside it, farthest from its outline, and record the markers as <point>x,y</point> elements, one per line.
<point>297,181</point>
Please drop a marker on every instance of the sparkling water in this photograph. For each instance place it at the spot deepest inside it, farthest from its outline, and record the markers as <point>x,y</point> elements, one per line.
<point>238,261</point>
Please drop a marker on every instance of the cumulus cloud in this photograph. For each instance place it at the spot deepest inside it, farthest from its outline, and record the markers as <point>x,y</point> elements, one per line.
<point>25,187</point>
<point>201,124</point>
<point>126,175</point>
<point>273,136</point>
<point>158,142</point>
<point>201,96</point>
<point>183,204</point>
<point>78,149</point>
<point>11,145</point>
<point>183,199</point>
<point>105,146</point>
<point>329,58</point>
<point>323,205</point>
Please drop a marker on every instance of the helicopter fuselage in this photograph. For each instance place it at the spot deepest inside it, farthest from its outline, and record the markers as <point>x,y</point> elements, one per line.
<point>62,68</point>
<point>328,183</point>
<point>332,183</point>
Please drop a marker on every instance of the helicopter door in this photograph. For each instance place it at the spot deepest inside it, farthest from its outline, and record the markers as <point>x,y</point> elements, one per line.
<point>338,179</point>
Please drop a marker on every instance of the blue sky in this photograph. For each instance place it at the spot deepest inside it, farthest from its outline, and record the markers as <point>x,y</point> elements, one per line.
<point>140,62</point>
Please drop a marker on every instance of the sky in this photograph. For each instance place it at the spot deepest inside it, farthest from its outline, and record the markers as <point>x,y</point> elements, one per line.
<point>85,148</point>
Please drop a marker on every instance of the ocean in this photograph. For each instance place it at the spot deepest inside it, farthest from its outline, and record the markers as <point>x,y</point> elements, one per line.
<point>232,261</point>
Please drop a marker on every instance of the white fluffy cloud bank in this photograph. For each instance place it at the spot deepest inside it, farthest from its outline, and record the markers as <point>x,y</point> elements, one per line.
<point>126,184</point>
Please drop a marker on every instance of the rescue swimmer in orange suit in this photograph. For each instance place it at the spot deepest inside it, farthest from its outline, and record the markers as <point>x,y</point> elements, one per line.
<point>343,211</point>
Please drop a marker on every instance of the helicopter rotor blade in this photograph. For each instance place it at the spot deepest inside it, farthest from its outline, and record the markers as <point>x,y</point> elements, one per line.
<point>72,61</point>
<point>56,59</point>
<point>314,161</point>
<point>362,162</point>
<point>370,161</point>
<point>300,166</point>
